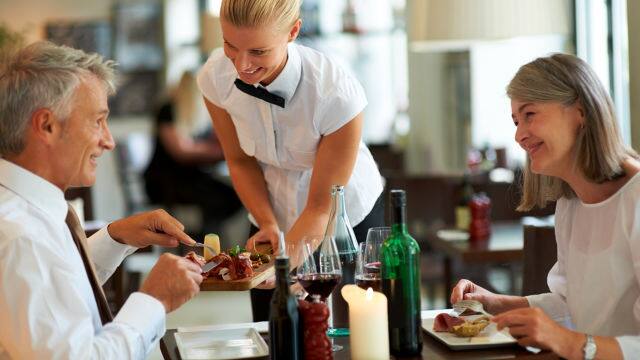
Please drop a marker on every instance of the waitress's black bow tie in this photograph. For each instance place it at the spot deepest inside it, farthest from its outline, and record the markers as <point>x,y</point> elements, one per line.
<point>260,93</point>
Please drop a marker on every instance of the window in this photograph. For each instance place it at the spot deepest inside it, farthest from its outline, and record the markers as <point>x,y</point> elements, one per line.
<point>601,39</point>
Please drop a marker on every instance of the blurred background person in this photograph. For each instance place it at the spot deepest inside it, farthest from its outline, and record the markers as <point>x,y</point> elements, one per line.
<point>181,169</point>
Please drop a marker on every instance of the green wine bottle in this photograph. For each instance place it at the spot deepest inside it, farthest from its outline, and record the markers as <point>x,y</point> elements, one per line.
<point>400,260</point>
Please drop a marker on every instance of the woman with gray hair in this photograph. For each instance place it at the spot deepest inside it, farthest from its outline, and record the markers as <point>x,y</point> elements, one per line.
<point>565,122</point>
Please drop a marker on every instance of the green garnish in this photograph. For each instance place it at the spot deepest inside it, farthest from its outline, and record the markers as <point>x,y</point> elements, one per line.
<point>234,251</point>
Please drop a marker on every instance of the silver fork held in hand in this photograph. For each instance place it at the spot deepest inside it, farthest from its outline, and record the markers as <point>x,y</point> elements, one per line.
<point>197,244</point>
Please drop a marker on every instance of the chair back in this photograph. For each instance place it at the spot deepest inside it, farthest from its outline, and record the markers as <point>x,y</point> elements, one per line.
<point>540,254</point>
<point>133,153</point>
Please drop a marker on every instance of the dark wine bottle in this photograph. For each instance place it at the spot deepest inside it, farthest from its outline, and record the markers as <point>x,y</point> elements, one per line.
<point>285,340</point>
<point>463,211</point>
<point>400,260</point>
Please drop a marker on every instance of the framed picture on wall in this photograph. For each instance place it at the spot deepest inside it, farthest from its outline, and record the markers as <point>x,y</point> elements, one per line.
<point>138,36</point>
<point>137,93</point>
<point>90,36</point>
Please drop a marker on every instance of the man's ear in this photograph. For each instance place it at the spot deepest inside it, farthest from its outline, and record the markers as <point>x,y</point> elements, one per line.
<point>45,126</point>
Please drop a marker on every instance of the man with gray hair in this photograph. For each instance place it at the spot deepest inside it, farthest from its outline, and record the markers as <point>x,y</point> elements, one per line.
<point>53,128</point>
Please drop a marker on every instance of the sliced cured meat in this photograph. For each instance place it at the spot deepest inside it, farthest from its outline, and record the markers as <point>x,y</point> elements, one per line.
<point>243,266</point>
<point>195,258</point>
<point>445,322</point>
<point>232,267</point>
<point>225,261</point>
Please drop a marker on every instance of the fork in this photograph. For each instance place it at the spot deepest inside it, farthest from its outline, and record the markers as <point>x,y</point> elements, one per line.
<point>208,247</point>
<point>462,305</point>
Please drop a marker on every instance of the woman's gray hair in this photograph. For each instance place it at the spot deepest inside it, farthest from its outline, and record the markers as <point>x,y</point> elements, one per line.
<point>43,75</point>
<point>599,150</point>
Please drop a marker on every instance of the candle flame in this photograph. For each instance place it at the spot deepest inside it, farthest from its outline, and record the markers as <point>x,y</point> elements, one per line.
<point>369,294</point>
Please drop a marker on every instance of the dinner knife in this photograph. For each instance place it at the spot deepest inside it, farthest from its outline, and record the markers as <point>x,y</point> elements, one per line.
<point>210,265</point>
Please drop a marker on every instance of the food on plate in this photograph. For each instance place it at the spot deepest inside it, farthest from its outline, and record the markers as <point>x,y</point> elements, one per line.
<point>234,264</point>
<point>469,312</point>
<point>459,326</point>
<point>471,328</point>
<point>445,322</point>
<point>212,240</point>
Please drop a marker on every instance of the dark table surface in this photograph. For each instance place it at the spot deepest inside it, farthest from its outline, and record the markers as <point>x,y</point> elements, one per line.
<point>432,350</point>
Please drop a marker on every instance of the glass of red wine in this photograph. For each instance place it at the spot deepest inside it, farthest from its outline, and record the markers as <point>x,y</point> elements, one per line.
<point>320,271</point>
<point>368,264</point>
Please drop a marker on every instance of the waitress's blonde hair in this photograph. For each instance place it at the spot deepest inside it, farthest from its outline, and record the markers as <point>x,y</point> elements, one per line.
<point>599,149</point>
<point>257,13</point>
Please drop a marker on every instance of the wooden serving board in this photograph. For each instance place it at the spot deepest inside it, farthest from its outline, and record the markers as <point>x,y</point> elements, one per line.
<point>260,274</point>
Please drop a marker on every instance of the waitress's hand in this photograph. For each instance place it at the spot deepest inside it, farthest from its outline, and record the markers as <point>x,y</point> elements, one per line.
<point>270,283</point>
<point>532,327</point>
<point>267,234</point>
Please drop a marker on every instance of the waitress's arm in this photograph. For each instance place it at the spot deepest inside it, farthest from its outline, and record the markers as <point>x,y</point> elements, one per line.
<point>246,174</point>
<point>334,162</point>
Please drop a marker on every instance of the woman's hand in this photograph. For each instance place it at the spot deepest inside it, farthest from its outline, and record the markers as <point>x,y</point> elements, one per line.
<point>268,234</point>
<point>467,290</point>
<point>492,303</point>
<point>532,327</point>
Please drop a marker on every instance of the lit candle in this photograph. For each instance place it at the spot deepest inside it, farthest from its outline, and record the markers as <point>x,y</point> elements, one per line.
<point>368,324</point>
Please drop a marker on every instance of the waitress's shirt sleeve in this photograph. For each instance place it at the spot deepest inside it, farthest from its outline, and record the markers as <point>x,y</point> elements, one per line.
<point>207,79</point>
<point>343,104</point>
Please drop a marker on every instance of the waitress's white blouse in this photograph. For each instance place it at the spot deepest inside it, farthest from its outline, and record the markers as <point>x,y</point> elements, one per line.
<point>320,98</point>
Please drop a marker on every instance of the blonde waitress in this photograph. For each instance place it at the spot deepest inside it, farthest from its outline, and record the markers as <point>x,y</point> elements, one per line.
<point>289,120</point>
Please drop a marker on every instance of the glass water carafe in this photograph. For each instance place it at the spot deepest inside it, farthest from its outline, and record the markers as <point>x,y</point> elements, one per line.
<point>340,229</point>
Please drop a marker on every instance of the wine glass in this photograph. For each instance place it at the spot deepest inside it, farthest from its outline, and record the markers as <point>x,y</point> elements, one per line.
<point>368,265</point>
<point>320,271</point>
<point>364,277</point>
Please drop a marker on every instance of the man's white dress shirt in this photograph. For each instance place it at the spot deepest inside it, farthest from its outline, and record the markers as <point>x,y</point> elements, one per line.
<point>595,285</point>
<point>320,98</point>
<point>47,307</point>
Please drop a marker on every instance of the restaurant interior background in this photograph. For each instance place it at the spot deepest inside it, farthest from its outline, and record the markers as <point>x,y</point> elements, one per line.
<point>434,72</point>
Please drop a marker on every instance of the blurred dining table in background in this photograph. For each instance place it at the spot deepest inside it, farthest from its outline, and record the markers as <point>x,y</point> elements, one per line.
<point>504,245</point>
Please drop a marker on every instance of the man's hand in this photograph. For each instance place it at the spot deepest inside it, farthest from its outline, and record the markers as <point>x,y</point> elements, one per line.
<point>149,228</point>
<point>174,280</point>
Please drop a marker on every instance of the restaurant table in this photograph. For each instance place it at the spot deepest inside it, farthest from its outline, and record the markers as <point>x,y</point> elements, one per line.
<point>431,349</point>
<point>504,245</point>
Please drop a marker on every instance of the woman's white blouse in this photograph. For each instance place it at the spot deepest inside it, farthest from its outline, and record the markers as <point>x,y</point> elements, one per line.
<point>320,98</point>
<point>595,285</point>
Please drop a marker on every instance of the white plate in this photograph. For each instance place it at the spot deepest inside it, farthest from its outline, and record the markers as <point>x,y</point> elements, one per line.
<point>229,343</point>
<point>453,235</point>
<point>488,338</point>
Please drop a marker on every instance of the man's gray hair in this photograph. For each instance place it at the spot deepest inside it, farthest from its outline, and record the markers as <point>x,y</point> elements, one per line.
<point>43,75</point>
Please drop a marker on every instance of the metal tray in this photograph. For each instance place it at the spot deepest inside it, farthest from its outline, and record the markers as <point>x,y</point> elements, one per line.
<point>235,343</point>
